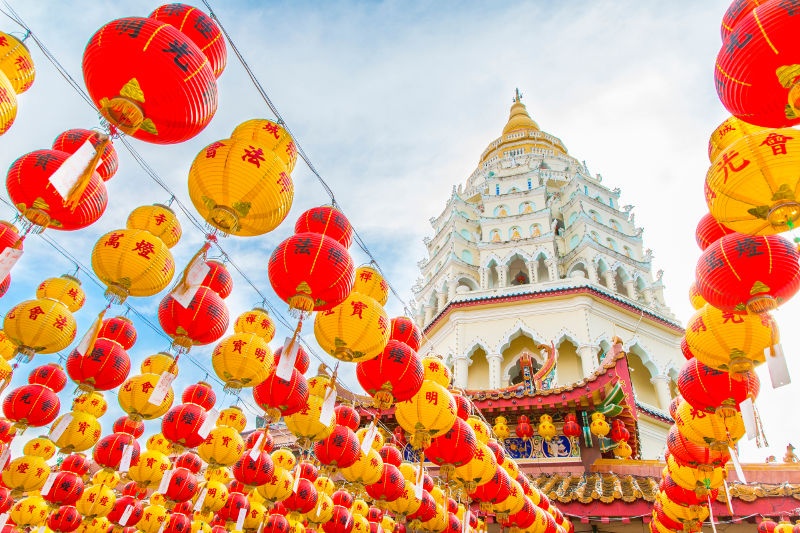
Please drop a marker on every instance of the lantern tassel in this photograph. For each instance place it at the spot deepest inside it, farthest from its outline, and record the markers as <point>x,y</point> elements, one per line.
<point>761,437</point>
<point>77,190</point>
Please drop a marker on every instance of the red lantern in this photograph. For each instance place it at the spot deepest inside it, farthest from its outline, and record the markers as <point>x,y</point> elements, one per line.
<point>29,187</point>
<point>218,279</point>
<point>64,519</point>
<point>714,391</point>
<point>427,508</point>
<point>5,499</point>
<point>304,499</point>
<point>5,285</point>
<point>109,450</point>
<point>301,362</point>
<point>395,375</point>
<point>280,397</point>
<point>184,508</point>
<point>525,517</point>
<point>182,485</point>
<point>709,231</point>
<point>374,515</point>
<point>131,488</point>
<point>341,521</point>
<point>277,523</point>
<point>742,273</point>
<point>204,321</point>
<point>121,508</point>
<point>105,367</point>
<point>404,329</point>
<point>524,430</point>
<point>326,220</point>
<point>150,80</point>
<point>31,405</point>
<point>125,424</point>
<point>347,416</point>
<point>664,519</point>
<point>119,329</point>
<point>198,27</point>
<point>340,449</point>
<point>50,375</point>
<point>343,498</point>
<point>67,488</point>
<point>767,525</point>
<point>493,492</point>
<point>308,471</point>
<point>76,463</point>
<point>687,453</point>
<point>571,427</point>
<point>253,438</point>
<point>178,523</point>
<point>201,394</point>
<point>71,140</point>
<point>311,272</point>
<point>454,448</point>
<point>253,472</point>
<point>399,436</point>
<point>391,455</point>
<point>463,406</point>
<point>619,432</point>
<point>390,486</point>
<point>181,425</point>
<point>190,461</point>
<point>682,496</point>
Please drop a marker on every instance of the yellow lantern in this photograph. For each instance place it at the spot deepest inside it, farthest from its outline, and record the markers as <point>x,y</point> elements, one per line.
<point>360,524</point>
<point>26,474</point>
<point>98,524</point>
<point>220,473</point>
<point>107,477</point>
<point>199,525</point>
<point>696,479</point>
<point>256,321</point>
<point>8,349</point>
<point>134,397</point>
<point>16,63</point>
<point>223,447</point>
<point>81,433</point>
<point>691,514</point>
<point>305,424</point>
<point>40,447</point>
<point>366,470</point>
<point>159,220</point>
<point>256,515</point>
<point>271,136</point>
<point>388,523</point>
<point>159,363</point>
<point>623,450</point>
<point>242,360</point>
<point>132,262</point>
<point>513,504</point>
<point>430,413</point>
<point>232,416</point>
<point>278,488</point>
<point>510,466</point>
<point>479,470</point>
<point>370,282</point>
<point>695,298</point>
<point>438,523</point>
<point>318,385</point>
<point>31,511</point>
<point>708,429</point>
<point>92,403</point>
<point>377,441</point>
<point>730,131</point>
<point>546,427</point>
<point>96,500</point>
<point>324,485</point>
<point>283,459</point>
<point>153,516</point>
<point>784,526</point>
<point>43,325</point>
<point>356,330</point>
<point>240,188</point>
<point>213,495</point>
<point>359,507</point>
<point>751,185</point>
<point>150,468</point>
<point>66,289</point>
<point>323,511</point>
<point>598,426</point>
<point>501,430</point>
<point>8,104</point>
<point>480,428</point>
<point>727,341</point>
<point>158,442</point>
<point>436,370</point>
<point>407,503</point>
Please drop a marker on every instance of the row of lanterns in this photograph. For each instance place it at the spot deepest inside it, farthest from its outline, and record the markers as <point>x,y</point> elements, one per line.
<point>17,73</point>
<point>745,270</point>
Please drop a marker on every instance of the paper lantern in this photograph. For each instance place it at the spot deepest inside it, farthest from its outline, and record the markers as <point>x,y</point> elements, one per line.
<point>340,449</point>
<point>159,220</point>
<point>709,231</point>
<point>16,63</point>
<point>223,446</point>
<point>455,448</point>
<point>134,397</point>
<point>181,425</point>
<point>71,140</point>
<point>282,397</point>
<point>256,321</point>
<point>119,329</point>
<point>109,450</point>
<point>708,429</point>
<point>105,367</point>
<point>329,221</point>
<point>26,473</point>
<point>395,374</point>
<point>356,330</point>
<point>31,405</point>
<point>687,453</point>
<point>731,130</point>
<point>435,370</point>
<point>43,326</point>
<point>404,329</point>
<point>198,27</point>
<point>218,279</point>
<point>242,360</point>
<point>8,104</point>
<point>429,414</point>
<point>160,88</point>
<point>64,519</point>
<point>201,322</point>
<point>66,289</point>
<point>369,281</point>
<point>306,424</point>
<point>715,391</point>
<point>478,470</point>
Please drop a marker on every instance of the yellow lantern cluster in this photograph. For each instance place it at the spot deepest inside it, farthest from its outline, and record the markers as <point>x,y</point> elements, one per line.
<point>245,359</point>
<point>136,392</point>
<point>598,426</point>
<point>306,423</point>
<point>500,428</point>
<point>429,414</point>
<point>546,427</point>
<point>153,462</point>
<point>46,325</point>
<point>356,330</point>
<point>17,73</point>
<point>224,444</point>
<point>79,430</point>
<point>242,185</point>
<point>133,261</point>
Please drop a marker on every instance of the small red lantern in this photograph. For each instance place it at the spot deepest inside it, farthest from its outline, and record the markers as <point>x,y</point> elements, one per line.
<point>395,375</point>
<point>390,486</point>
<point>190,461</point>
<point>50,375</point>
<point>181,425</point>
<point>281,397</point>
<point>391,455</point>
<point>218,279</point>
<point>109,450</point>
<point>326,220</point>
<point>31,405</point>
<point>120,509</point>
<point>714,391</point>
<point>304,499</point>
<point>404,329</point>
<point>308,471</point>
<point>493,492</point>
<point>709,231</point>
<point>340,449</point>
<point>347,416</point>
<point>105,367</point>
<point>427,508</point>
<point>619,432</point>
<point>748,273</point>
<point>119,329</point>
<point>687,453</point>
<point>76,463</point>
<point>253,438</point>
<point>767,525</point>
<point>301,362</point>
<point>198,27</point>
<point>463,406</point>
<point>524,430</point>
<point>71,140</point>
<point>277,523</point>
<point>311,272</point>
<point>150,80</point>
<point>131,488</point>
<point>455,448</point>
<point>67,488</point>
<point>178,523</point>
<point>341,521</point>
<point>201,394</point>
<point>125,424</point>
<point>204,321</point>
<point>182,485</point>
<point>64,519</point>
<point>253,472</point>
<point>571,427</point>
<point>343,498</point>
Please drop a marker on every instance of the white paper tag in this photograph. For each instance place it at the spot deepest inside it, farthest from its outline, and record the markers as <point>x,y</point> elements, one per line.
<point>296,483</point>
<point>165,479</point>
<point>465,525</point>
<point>61,427</point>
<point>8,258</point>
<point>127,457</point>
<point>240,519</point>
<point>749,417</point>
<point>85,346</point>
<point>711,514</point>
<point>3,520</point>
<point>288,358</point>
<point>328,406</point>
<point>164,521</point>
<point>256,451</point>
<point>48,484</point>
<point>728,496</point>
<point>736,465</point>
<point>123,520</point>
<point>40,529</point>
<point>208,424</point>
<point>261,526</point>
<point>369,438</point>
<point>776,364</point>
<point>4,458</point>
<point>196,272</point>
<point>200,499</point>
<point>67,175</point>
<point>162,388</point>
<point>419,485</point>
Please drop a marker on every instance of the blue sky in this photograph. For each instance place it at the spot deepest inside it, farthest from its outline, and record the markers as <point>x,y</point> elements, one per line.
<point>394,102</point>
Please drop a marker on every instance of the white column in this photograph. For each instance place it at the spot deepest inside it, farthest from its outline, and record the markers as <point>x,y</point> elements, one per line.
<point>502,275</point>
<point>451,290</point>
<point>429,310</point>
<point>532,271</point>
<point>592,269</point>
<point>661,383</point>
<point>484,278</point>
<point>588,355</point>
<point>495,363</point>
<point>461,371</point>
<point>553,270</point>
<point>629,289</point>
<point>441,300</point>
<point>648,295</point>
<point>610,281</point>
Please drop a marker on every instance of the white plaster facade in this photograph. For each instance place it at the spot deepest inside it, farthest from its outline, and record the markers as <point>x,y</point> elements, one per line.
<point>534,249</point>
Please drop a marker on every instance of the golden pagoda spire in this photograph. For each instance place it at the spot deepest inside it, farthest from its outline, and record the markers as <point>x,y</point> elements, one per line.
<point>518,118</point>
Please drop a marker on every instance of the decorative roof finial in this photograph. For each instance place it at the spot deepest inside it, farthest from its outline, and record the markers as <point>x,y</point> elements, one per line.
<point>518,97</point>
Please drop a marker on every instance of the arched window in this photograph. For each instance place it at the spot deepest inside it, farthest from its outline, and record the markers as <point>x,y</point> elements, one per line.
<point>612,244</point>
<point>494,235</point>
<point>572,218</point>
<point>614,224</point>
<point>627,251</point>
<point>465,233</point>
<point>595,216</point>
<point>595,236</point>
<point>573,242</point>
<point>501,211</point>
<point>514,234</point>
<point>466,256</point>
<point>525,208</point>
<point>536,230</point>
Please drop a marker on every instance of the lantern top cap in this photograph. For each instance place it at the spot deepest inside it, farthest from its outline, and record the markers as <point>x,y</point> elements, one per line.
<point>518,118</point>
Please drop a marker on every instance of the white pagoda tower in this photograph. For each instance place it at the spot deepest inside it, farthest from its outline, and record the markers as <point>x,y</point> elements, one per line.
<point>533,250</point>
